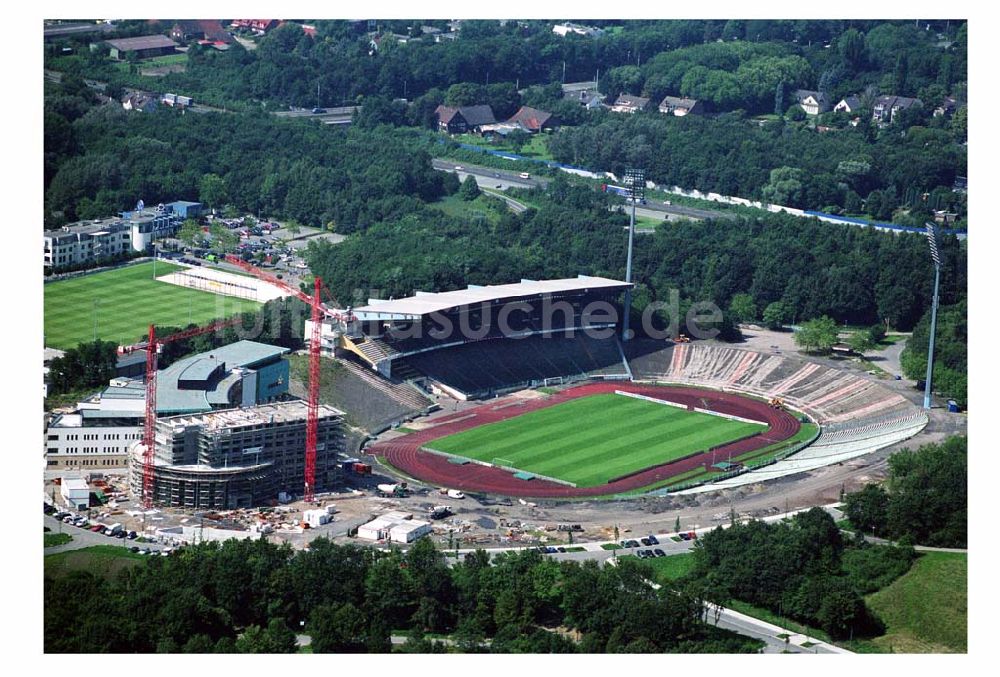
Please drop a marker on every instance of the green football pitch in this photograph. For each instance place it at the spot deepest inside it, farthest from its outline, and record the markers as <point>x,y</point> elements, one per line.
<point>124,302</point>
<point>591,440</point>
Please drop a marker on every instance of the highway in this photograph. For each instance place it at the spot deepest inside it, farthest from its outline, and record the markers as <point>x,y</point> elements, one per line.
<point>500,179</point>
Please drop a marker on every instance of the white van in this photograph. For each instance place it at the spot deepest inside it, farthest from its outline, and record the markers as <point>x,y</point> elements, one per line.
<point>525,175</point>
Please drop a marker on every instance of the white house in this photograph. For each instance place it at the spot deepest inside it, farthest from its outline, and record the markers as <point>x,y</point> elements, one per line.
<point>813,103</point>
<point>849,104</point>
<point>75,492</point>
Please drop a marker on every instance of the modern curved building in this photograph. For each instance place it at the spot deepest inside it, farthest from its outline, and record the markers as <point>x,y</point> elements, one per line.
<point>238,458</point>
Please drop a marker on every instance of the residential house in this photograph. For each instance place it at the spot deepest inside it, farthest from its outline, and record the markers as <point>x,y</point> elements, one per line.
<point>198,30</point>
<point>257,26</point>
<point>849,104</point>
<point>812,102</point>
<point>565,29</point>
<point>463,118</point>
<point>947,107</point>
<point>534,120</point>
<point>627,103</point>
<point>672,105</point>
<point>140,101</point>
<point>886,108</point>
<point>590,99</point>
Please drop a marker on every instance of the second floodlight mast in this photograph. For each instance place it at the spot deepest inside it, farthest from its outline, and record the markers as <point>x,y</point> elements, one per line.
<point>636,185</point>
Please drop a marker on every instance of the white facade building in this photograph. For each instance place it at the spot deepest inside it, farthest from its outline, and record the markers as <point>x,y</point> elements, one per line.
<point>75,492</point>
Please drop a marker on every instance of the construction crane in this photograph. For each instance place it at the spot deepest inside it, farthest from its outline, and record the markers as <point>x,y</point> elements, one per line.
<point>318,311</point>
<point>153,346</point>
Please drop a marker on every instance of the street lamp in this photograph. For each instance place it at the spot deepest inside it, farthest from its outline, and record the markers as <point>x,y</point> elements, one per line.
<point>932,241</point>
<point>636,185</point>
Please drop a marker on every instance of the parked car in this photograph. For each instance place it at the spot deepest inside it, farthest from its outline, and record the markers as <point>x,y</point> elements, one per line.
<point>645,541</point>
<point>59,515</point>
<point>685,537</point>
<point>318,111</point>
<point>561,549</point>
<point>659,553</point>
<point>653,540</point>
<point>132,535</point>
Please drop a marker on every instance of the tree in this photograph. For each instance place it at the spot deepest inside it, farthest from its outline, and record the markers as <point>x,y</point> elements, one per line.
<point>212,190</point>
<point>337,629</point>
<point>276,638</point>
<point>851,47</point>
<point>817,335</point>
<point>928,492</point>
<point>785,186</point>
<point>779,99</point>
<point>189,232</point>
<point>868,509</point>
<point>470,189</point>
<point>861,341</point>
<point>776,314</point>
<point>743,308</point>
<point>517,139</point>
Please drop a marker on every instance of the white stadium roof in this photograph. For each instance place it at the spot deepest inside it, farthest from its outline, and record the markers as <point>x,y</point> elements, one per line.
<point>425,303</point>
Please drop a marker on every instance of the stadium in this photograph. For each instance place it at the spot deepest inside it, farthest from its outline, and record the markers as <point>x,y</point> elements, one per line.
<point>554,405</point>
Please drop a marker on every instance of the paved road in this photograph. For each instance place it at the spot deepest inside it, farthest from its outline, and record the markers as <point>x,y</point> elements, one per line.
<point>488,177</point>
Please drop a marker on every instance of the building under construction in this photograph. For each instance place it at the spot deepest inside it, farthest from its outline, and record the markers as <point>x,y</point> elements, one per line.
<point>237,458</point>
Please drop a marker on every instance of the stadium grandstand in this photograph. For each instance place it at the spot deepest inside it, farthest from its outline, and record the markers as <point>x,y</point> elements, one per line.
<point>485,340</point>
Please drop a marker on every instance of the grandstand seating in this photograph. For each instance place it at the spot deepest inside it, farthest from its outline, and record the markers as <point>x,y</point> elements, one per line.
<point>373,402</point>
<point>825,394</point>
<point>857,415</point>
<point>488,366</point>
<point>833,446</point>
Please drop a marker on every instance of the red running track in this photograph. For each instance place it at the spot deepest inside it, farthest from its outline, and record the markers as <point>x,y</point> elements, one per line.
<point>405,453</point>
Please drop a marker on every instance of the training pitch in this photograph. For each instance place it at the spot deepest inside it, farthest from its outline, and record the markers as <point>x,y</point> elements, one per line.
<point>125,301</point>
<point>591,440</point>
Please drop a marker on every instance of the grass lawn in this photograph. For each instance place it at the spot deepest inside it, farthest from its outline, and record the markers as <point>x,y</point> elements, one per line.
<point>482,208</point>
<point>591,440</point>
<point>925,610</point>
<point>56,539</point>
<point>671,567</point>
<point>126,301</point>
<point>100,560</point>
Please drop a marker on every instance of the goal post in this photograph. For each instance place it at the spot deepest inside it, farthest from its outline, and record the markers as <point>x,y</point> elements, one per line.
<point>504,463</point>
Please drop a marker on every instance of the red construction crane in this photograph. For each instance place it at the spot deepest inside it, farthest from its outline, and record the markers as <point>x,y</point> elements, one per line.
<point>340,315</point>
<point>152,346</point>
<point>318,311</point>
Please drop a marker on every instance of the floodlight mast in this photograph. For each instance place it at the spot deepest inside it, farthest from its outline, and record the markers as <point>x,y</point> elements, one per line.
<point>932,241</point>
<point>635,182</point>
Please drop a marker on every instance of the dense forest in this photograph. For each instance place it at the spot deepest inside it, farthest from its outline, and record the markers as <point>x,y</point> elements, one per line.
<point>101,160</point>
<point>924,500</point>
<point>800,568</point>
<point>853,275</point>
<point>736,68</point>
<point>254,596</point>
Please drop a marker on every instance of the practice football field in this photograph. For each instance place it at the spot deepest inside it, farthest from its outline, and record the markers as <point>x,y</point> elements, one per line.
<point>591,440</point>
<point>125,301</point>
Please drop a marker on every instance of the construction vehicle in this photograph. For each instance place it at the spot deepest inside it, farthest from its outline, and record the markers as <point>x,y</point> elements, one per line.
<point>393,490</point>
